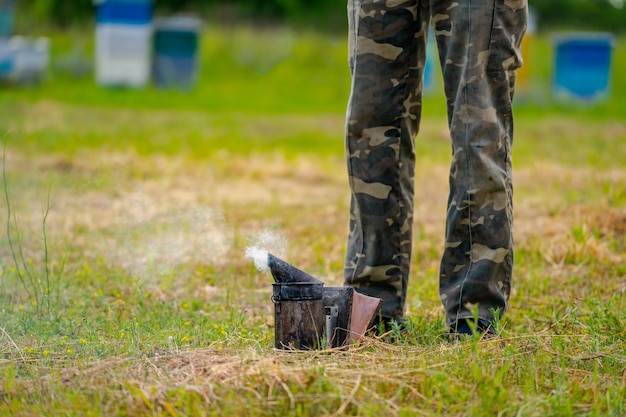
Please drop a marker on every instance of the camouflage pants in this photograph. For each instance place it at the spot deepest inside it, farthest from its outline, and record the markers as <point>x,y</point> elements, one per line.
<point>478,43</point>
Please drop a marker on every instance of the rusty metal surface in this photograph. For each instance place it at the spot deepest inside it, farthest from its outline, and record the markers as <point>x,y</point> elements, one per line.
<point>299,324</point>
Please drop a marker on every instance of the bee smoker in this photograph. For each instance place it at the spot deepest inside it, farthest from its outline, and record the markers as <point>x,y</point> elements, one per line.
<point>308,315</point>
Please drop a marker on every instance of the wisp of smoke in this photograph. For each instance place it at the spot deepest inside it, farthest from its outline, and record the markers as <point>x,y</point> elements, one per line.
<point>260,246</point>
<point>161,244</point>
<point>259,256</point>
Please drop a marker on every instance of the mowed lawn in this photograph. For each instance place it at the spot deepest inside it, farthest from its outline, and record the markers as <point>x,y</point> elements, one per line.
<point>125,216</point>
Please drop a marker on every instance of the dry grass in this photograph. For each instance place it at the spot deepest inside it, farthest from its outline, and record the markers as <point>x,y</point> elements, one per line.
<point>333,381</point>
<point>155,195</point>
<point>162,314</point>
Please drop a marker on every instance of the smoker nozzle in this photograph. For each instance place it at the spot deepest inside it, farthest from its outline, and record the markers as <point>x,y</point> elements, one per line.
<point>284,272</point>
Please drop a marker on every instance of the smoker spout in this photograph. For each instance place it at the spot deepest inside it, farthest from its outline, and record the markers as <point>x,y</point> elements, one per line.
<point>286,273</point>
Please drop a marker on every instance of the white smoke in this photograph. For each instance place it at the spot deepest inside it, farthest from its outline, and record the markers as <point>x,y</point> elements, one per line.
<point>261,245</point>
<point>164,243</point>
<point>259,256</point>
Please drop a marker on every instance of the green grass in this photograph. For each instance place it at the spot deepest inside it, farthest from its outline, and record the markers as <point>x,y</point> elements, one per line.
<point>138,299</point>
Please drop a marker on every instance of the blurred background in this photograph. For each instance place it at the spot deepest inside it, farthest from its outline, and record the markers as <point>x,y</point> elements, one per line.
<point>327,14</point>
<point>571,52</point>
<point>149,143</point>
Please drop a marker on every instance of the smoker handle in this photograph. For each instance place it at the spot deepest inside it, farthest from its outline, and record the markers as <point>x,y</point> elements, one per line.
<point>276,302</point>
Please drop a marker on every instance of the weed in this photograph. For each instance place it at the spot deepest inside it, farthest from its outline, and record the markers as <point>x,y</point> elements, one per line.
<point>41,287</point>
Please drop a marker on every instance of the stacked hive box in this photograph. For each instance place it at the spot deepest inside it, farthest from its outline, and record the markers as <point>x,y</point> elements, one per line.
<point>7,16</point>
<point>7,13</point>
<point>23,60</point>
<point>582,67</point>
<point>123,42</point>
<point>175,51</point>
<point>30,58</point>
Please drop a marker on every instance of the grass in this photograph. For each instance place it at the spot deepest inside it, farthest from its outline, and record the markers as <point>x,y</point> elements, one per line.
<point>152,308</point>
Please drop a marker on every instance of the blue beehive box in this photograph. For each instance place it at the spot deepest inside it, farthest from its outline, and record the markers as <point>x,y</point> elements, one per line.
<point>176,44</point>
<point>582,66</point>
<point>133,12</point>
<point>6,61</point>
<point>7,17</point>
<point>123,42</point>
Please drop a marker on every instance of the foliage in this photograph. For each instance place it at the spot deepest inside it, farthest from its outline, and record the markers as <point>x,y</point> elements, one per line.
<point>39,285</point>
<point>59,12</point>
<point>580,15</point>
<point>328,14</point>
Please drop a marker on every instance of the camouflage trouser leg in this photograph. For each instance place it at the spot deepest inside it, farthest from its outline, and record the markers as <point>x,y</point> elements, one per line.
<point>478,43</point>
<point>387,55</point>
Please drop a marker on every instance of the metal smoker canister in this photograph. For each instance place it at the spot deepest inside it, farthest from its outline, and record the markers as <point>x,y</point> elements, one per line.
<point>298,315</point>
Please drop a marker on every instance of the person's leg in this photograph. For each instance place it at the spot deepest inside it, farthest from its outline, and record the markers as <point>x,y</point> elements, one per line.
<point>479,43</point>
<point>387,57</point>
